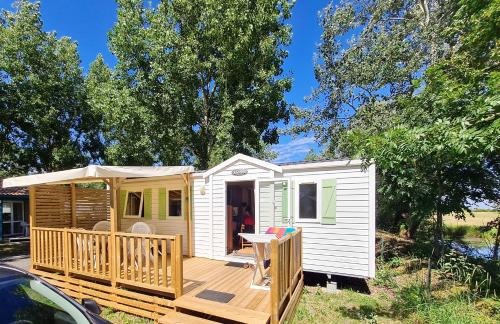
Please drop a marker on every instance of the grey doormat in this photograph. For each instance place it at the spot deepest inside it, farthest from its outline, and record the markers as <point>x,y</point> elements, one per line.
<point>217,296</point>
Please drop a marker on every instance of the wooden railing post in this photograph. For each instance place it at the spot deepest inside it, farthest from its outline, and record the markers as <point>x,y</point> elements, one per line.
<point>32,221</point>
<point>179,277</point>
<point>66,255</point>
<point>275,282</point>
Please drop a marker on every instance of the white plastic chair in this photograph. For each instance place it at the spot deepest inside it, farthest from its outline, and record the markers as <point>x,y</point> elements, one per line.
<point>102,226</point>
<point>143,228</point>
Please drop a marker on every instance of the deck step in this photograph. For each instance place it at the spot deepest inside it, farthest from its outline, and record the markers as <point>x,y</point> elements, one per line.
<point>221,310</point>
<point>181,318</point>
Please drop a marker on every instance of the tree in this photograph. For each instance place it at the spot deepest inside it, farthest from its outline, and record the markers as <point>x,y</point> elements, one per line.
<point>414,90</point>
<point>44,122</point>
<point>371,53</point>
<point>442,151</point>
<point>202,78</point>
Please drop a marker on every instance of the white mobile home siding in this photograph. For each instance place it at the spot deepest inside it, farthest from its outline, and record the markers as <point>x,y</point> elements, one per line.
<point>344,248</point>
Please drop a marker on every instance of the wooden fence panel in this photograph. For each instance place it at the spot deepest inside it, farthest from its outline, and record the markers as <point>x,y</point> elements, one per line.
<point>286,275</point>
<point>88,253</point>
<point>92,206</point>
<point>47,251</point>
<point>53,206</point>
<point>143,261</point>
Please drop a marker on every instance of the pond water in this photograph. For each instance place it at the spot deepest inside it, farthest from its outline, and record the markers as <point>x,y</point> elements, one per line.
<point>473,249</point>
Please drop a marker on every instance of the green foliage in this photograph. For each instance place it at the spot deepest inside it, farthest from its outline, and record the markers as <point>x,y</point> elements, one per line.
<point>459,268</point>
<point>416,91</point>
<point>412,298</point>
<point>45,124</point>
<point>455,232</point>
<point>195,80</point>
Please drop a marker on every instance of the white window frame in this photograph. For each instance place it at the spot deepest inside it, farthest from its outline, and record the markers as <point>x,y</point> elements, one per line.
<point>182,202</point>
<point>140,205</point>
<point>297,218</point>
<point>11,221</point>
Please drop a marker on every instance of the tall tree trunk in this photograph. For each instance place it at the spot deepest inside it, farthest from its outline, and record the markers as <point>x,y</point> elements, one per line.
<point>438,235</point>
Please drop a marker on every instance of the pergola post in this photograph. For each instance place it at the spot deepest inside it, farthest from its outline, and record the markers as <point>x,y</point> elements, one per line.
<point>113,213</point>
<point>73,205</point>
<point>187,181</point>
<point>32,220</point>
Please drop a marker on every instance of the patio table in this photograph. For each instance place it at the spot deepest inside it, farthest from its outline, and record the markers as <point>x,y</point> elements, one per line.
<point>259,244</point>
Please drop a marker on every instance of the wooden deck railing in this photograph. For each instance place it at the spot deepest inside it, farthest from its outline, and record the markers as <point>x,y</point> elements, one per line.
<point>143,261</point>
<point>286,275</point>
<point>47,249</point>
<point>146,261</point>
<point>89,253</point>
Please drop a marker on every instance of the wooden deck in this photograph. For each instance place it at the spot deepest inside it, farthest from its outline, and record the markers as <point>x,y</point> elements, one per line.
<point>147,275</point>
<point>248,306</point>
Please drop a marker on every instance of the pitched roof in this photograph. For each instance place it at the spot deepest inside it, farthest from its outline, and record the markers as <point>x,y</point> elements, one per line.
<point>13,191</point>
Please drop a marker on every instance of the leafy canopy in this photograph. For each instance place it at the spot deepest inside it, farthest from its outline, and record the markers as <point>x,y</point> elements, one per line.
<point>416,91</point>
<point>45,124</point>
<point>195,80</point>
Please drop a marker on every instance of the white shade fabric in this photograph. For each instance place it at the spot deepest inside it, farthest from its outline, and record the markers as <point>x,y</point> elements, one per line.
<point>94,172</point>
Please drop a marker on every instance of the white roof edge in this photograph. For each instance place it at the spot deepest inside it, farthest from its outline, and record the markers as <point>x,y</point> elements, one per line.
<point>325,164</point>
<point>246,158</point>
<point>93,172</point>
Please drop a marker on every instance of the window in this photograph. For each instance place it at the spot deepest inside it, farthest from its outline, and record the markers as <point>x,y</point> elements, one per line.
<point>135,207</point>
<point>308,201</point>
<point>13,216</point>
<point>175,202</point>
<point>25,300</point>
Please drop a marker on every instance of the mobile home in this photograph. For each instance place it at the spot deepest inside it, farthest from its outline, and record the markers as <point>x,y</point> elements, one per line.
<point>332,201</point>
<point>163,242</point>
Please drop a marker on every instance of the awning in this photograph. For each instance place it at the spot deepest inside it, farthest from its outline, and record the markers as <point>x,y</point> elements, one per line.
<point>92,173</point>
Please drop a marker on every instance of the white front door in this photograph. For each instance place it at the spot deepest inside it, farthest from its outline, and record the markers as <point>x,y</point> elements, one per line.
<point>13,216</point>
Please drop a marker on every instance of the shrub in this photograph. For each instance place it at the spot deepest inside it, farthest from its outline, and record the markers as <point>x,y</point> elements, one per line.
<point>458,267</point>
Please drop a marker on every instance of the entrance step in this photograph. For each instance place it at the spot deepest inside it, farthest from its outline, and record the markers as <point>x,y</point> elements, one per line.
<point>221,310</point>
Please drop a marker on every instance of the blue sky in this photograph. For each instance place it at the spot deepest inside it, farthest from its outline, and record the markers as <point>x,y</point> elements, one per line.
<point>88,22</point>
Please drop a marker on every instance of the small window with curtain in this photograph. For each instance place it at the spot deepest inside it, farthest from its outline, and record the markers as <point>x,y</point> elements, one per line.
<point>308,199</point>
<point>175,203</point>
<point>135,206</point>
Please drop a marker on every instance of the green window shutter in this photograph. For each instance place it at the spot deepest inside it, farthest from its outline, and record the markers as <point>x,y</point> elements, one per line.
<point>162,203</point>
<point>292,201</point>
<point>148,203</point>
<point>284,202</point>
<point>123,200</point>
<point>328,201</point>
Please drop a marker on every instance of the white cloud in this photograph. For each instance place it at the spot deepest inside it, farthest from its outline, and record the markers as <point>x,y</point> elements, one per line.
<point>294,150</point>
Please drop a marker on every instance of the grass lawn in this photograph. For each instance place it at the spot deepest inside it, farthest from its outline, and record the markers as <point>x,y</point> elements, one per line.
<point>117,317</point>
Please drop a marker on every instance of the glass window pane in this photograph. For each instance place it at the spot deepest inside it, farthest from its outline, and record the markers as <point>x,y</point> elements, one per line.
<point>6,228</point>
<point>307,200</point>
<point>7,211</point>
<point>133,203</point>
<point>18,229</point>
<point>30,301</point>
<point>175,202</point>
<point>18,211</point>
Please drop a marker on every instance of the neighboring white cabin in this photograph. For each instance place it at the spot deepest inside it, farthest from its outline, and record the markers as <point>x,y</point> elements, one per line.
<point>338,238</point>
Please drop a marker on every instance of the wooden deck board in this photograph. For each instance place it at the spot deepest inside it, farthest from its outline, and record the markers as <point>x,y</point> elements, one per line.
<point>201,274</point>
